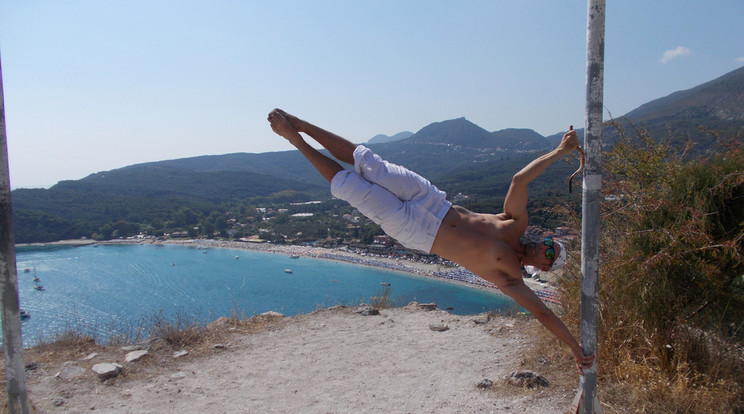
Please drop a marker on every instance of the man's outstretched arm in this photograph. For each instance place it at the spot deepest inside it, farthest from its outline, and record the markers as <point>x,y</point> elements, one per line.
<point>515,203</point>
<point>523,295</point>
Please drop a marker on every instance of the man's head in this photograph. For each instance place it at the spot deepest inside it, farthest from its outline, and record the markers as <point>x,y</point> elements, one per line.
<point>545,254</point>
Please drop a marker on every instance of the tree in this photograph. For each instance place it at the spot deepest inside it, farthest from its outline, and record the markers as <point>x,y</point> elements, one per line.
<point>185,217</point>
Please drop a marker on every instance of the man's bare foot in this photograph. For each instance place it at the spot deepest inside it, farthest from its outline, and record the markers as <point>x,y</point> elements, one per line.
<point>282,127</point>
<point>297,123</point>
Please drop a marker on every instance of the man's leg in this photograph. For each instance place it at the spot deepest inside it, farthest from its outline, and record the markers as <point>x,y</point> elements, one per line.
<point>340,147</point>
<point>405,184</point>
<point>327,167</point>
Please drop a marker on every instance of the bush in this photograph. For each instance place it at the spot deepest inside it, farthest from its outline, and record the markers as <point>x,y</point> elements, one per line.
<point>178,331</point>
<point>671,301</point>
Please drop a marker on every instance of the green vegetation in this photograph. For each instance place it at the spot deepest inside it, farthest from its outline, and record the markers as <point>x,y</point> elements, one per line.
<point>155,201</point>
<point>456,155</point>
<point>671,293</point>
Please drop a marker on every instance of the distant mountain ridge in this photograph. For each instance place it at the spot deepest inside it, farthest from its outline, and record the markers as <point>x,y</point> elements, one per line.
<point>721,98</point>
<point>716,105</point>
<point>456,154</point>
<point>382,138</point>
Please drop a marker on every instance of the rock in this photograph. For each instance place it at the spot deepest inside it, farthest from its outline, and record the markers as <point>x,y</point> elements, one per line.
<point>272,314</point>
<point>70,372</point>
<point>91,356</point>
<point>482,320</point>
<point>181,353</point>
<point>178,375</point>
<point>218,323</point>
<point>106,370</point>
<point>366,310</point>
<point>135,356</point>
<point>439,327</point>
<point>526,379</point>
<point>485,384</point>
<point>422,306</point>
<point>58,402</point>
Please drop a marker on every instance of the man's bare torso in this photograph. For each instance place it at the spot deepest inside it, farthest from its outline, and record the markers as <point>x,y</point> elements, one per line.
<point>486,244</point>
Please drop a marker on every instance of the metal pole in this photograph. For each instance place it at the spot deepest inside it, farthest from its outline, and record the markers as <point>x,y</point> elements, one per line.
<point>586,400</point>
<point>11,316</point>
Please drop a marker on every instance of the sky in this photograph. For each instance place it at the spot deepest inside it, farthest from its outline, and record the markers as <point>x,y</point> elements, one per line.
<point>94,85</point>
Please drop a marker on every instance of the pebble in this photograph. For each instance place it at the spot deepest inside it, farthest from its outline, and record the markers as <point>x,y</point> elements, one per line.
<point>439,327</point>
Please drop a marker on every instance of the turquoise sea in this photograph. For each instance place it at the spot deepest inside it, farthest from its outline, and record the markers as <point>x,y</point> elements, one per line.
<point>107,290</point>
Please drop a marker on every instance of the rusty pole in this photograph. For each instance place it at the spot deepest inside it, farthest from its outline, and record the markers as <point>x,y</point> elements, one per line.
<point>11,315</point>
<point>586,400</point>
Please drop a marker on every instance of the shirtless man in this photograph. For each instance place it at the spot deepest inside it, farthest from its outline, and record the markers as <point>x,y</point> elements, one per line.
<point>413,211</point>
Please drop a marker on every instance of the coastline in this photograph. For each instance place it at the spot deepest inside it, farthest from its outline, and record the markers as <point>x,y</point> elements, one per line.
<point>329,360</point>
<point>457,274</point>
<point>60,243</point>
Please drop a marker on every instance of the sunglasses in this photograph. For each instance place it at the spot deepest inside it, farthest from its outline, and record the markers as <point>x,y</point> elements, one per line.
<point>550,253</point>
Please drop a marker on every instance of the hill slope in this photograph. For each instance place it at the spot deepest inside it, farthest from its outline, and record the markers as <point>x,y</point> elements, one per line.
<point>684,115</point>
<point>455,154</point>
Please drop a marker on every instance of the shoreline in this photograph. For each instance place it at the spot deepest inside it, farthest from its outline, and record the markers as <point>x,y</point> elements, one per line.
<point>456,275</point>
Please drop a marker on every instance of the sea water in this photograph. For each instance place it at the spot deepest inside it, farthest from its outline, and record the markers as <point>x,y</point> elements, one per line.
<point>105,290</point>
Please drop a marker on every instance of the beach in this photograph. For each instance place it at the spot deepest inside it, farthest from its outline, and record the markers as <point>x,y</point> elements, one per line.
<point>454,273</point>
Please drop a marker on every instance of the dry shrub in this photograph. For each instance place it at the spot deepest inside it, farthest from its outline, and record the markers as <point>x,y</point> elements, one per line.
<point>671,302</point>
<point>178,331</point>
<point>384,300</point>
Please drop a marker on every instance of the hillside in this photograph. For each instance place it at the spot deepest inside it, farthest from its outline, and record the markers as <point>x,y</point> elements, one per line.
<point>456,154</point>
<point>684,115</point>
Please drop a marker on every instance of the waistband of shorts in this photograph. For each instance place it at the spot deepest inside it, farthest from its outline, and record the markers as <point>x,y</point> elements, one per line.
<point>443,209</point>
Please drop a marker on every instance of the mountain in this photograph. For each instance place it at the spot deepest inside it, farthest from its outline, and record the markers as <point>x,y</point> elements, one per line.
<point>721,98</point>
<point>464,133</point>
<point>290,165</point>
<point>458,131</point>
<point>520,140</point>
<point>685,115</point>
<point>441,149</point>
<point>455,154</point>
<point>381,138</point>
<point>72,209</point>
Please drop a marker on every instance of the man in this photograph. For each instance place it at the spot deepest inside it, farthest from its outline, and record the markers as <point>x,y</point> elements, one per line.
<point>413,211</point>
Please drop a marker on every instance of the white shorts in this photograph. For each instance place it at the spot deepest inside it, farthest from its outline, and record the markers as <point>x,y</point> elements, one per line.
<point>406,205</point>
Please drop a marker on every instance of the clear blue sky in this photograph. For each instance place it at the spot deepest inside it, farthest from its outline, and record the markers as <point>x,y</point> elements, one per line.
<point>97,85</point>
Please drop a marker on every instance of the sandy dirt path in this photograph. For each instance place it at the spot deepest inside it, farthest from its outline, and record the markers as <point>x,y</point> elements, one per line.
<point>332,361</point>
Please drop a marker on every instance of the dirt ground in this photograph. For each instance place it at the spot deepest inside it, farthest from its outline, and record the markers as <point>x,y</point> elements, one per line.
<point>330,361</point>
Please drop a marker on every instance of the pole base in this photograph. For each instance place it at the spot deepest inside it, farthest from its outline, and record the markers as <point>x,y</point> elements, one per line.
<point>578,405</point>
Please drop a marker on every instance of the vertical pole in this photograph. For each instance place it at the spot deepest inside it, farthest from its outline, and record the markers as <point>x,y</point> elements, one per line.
<point>11,316</point>
<point>591,199</point>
